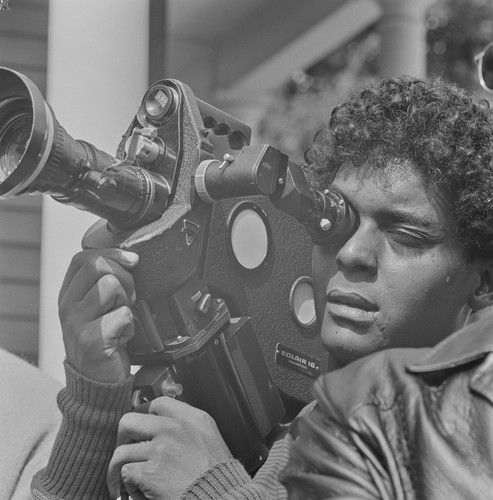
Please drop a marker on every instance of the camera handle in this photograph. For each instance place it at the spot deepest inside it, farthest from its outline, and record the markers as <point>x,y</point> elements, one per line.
<point>216,365</point>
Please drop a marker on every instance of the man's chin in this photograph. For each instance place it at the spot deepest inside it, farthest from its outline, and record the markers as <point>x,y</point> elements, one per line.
<point>345,345</point>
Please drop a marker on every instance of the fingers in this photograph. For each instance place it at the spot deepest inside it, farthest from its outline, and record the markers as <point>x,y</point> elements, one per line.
<point>96,349</point>
<point>139,427</point>
<point>133,492</point>
<point>174,408</point>
<point>170,407</point>
<point>165,415</point>
<point>89,266</point>
<point>134,480</point>
<point>118,471</point>
<point>186,420</point>
<point>173,418</point>
<point>107,293</point>
<point>163,453</point>
<point>96,283</point>
<point>112,330</point>
<point>118,327</point>
<point>140,467</point>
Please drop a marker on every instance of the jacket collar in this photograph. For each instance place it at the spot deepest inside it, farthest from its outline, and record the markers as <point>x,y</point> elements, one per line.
<point>471,343</point>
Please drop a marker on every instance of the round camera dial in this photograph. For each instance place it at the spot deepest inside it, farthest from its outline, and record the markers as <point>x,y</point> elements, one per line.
<point>159,104</point>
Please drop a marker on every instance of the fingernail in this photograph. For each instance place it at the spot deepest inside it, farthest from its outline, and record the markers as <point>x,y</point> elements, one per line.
<point>130,257</point>
<point>133,297</point>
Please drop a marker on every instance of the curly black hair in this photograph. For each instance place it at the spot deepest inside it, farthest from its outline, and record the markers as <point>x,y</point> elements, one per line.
<point>444,131</point>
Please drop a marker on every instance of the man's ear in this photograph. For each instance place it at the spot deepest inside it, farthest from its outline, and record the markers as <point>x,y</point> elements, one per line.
<point>482,295</point>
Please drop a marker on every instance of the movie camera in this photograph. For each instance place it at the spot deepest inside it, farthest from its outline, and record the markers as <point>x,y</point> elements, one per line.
<point>164,195</point>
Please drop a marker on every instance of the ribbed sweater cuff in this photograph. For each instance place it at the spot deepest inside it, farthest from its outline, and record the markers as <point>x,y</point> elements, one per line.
<point>82,451</point>
<point>218,482</point>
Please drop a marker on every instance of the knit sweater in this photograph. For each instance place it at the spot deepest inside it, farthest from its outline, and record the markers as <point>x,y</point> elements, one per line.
<point>87,436</point>
<point>86,440</point>
<point>29,422</point>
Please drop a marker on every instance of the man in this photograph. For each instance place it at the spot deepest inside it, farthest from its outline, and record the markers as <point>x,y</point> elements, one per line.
<point>416,425</point>
<point>413,158</point>
<point>419,422</point>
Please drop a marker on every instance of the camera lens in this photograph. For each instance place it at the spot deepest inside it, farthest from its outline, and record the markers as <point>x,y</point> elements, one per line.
<point>15,129</point>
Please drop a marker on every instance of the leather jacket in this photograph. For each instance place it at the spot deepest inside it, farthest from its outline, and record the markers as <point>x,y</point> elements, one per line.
<point>402,424</point>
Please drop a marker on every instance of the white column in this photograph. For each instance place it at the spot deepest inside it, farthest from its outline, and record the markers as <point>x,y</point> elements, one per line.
<point>97,75</point>
<point>403,32</point>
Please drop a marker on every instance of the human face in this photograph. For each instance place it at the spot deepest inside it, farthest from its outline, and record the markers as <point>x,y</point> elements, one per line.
<point>401,280</point>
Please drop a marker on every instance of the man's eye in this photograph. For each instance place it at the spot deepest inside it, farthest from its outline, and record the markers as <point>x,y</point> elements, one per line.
<point>410,239</point>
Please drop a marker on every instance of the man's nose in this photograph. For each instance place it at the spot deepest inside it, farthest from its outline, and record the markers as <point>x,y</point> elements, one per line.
<point>359,252</point>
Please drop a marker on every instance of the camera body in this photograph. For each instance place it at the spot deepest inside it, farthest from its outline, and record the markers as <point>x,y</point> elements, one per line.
<point>221,233</point>
<point>185,338</point>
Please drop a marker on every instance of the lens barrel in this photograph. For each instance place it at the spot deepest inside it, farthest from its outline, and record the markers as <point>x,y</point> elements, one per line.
<point>37,156</point>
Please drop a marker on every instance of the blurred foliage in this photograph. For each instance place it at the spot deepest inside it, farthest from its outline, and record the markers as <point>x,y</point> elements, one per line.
<point>456,31</point>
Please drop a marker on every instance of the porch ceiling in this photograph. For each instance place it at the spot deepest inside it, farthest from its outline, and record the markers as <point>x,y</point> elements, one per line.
<point>255,45</point>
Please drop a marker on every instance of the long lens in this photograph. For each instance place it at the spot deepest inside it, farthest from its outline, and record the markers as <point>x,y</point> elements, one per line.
<point>38,156</point>
<point>14,136</point>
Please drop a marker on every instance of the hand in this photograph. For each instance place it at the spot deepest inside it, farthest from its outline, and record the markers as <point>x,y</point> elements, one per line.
<point>159,455</point>
<point>94,309</point>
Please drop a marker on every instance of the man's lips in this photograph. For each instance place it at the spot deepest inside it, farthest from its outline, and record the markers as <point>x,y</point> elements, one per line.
<point>351,299</point>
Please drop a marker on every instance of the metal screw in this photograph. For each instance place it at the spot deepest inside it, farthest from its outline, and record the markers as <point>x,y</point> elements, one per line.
<point>325,224</point>
<point>227,160</point>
